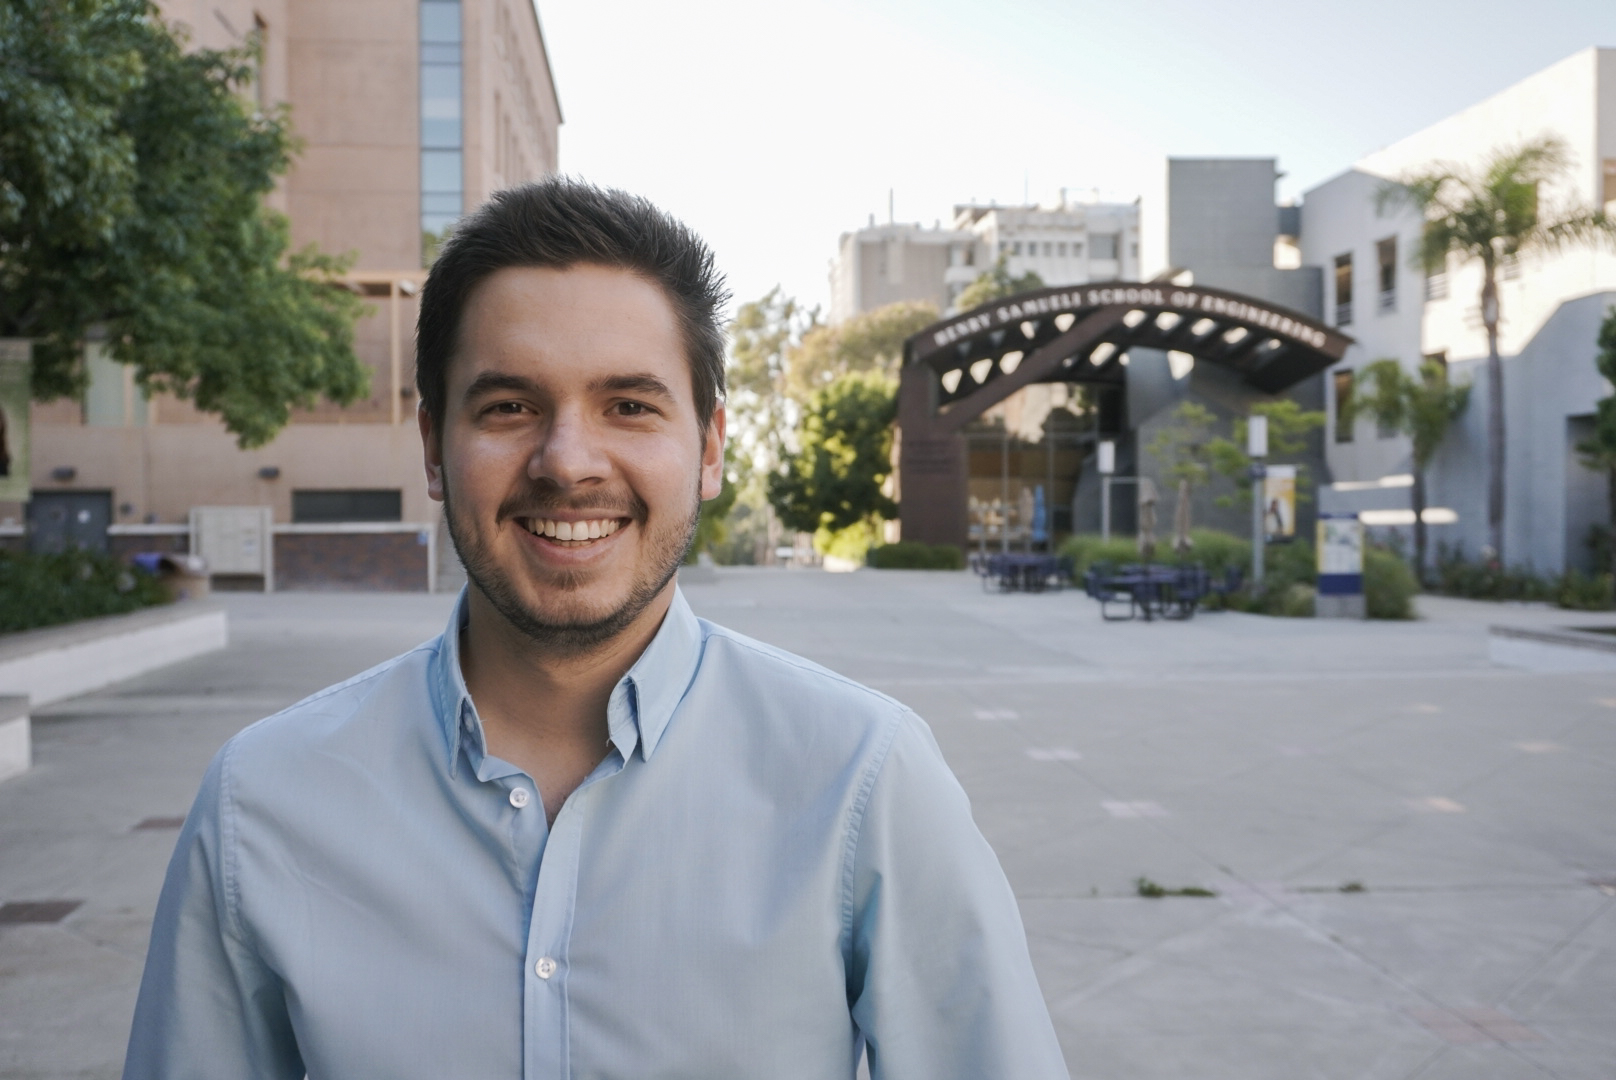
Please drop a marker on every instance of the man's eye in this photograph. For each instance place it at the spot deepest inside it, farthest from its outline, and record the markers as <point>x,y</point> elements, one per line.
<point>507,408</point>
<point>630,408</point>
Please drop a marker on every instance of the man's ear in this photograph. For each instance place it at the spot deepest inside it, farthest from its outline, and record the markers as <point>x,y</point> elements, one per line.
<point>432,451</point>
<point>712,456</point>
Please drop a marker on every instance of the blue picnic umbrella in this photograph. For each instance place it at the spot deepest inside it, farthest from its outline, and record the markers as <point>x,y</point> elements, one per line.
<point>1040,516</point>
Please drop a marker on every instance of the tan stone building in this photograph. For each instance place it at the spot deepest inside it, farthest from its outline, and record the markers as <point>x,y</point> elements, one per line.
<point>411,112</point>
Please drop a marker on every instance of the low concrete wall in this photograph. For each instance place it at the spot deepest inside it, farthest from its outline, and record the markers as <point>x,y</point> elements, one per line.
<point>64,661</point>
<point>16,738</point>
<point>1551,648</point>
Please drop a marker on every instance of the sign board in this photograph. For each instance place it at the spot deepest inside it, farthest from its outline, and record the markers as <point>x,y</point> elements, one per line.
<point>1340,555</point>
<point>1279,503</point>
<point>16,355</point>
<point>1107,458</point>
<point>235,540</point>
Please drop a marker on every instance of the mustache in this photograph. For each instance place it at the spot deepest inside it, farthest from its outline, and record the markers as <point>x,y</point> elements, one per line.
<point>594,505</point>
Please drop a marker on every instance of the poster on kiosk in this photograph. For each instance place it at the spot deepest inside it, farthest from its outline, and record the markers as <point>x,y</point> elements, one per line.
<point>1340,555</point>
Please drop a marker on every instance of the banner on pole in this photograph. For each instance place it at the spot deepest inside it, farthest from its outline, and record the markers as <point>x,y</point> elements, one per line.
<point>1279,503</point>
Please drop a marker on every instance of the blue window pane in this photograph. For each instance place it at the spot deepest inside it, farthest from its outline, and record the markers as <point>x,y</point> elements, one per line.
<point>438,223</point>
<point>444,203</point>
<point>440,91</point>
<point>440,21</point>
<point>440,54</point>
<point>440,134</point>
<point>440,171</point>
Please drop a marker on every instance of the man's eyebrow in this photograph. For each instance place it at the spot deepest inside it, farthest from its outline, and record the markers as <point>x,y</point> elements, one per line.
<point>492,381</point>
<point>633,384</point>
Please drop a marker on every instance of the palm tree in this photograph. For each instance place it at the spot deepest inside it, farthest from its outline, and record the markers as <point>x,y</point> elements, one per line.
<point>1492,214</point>
<point>1421,407</point>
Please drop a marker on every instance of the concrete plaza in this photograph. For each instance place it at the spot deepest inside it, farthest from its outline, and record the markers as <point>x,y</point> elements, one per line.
<point>1413,849</point>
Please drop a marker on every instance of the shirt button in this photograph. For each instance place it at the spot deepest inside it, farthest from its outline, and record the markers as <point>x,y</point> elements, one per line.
<point>519,797</point>
<point>545,968</point>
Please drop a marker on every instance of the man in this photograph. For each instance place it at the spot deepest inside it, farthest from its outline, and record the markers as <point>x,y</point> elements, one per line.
<point>583,833</point>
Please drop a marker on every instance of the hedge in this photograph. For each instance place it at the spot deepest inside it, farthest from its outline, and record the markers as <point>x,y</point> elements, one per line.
<point>46,590</point>
<point>913,555</point>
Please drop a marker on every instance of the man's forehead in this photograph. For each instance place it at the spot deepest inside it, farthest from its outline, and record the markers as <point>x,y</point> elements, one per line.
<point>585,321</point>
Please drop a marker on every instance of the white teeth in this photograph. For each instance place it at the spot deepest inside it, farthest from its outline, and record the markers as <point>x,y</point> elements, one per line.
<point>574,531</point>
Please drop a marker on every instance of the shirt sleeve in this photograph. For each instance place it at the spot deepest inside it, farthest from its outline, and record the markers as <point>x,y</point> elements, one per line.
<point>208,1007</point>
<point>939,979</point>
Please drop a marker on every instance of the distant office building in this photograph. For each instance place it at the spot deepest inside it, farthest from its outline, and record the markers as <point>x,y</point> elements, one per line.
<point>1071,243</point>
<point>411,112</point>
<point>1551,307</point>
<point>883,264</point>
<point>1068,244</point>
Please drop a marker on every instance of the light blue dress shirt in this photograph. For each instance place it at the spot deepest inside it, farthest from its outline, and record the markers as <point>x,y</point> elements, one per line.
<point>772,866</point>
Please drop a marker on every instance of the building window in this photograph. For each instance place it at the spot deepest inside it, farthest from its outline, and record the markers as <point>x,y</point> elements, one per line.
<point>1060,249</point>
<point>1049,249</point>
<point>1609,194</point>
<point>1343,289</point>
<point>1386,257</point>
<point>1509,269</point>
<point>1103,245</point>
<point>1015,248</point>
<point>1436,285</point>
<point>325,507</point>
<point>442,158</point>
<point>1343,406</point>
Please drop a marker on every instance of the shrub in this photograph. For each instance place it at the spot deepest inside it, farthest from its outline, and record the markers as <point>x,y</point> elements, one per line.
<point>1585,592</point>
<point>45,590</point>
<point>1217,551</point>
<point>1389,585</point>
<point>913,555</point>
<point>1298,601</point>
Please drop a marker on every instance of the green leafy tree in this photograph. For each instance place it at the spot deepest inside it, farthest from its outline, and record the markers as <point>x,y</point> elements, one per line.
<point>844,455</point>
<point>1422,406</point>
<point>132,179</point>
<point>1184,448</point>
<point>1492,214</point>
<point>761,340</point>
<point>870,341</point>
<point>1599,450</point>
<point>995,284</point>
<point>1289,428</point>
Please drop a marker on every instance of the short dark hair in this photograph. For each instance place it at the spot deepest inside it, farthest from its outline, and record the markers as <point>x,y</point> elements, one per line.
<point>560,222</point>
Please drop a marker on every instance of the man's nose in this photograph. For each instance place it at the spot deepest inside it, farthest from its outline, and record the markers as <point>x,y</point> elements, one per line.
<point>570,453</point>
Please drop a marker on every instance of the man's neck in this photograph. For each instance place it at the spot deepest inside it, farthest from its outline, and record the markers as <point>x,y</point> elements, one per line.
<point>543,709</point>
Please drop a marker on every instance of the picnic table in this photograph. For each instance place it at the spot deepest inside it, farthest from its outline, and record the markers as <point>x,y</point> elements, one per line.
<point>1150,590</point>
<point>1012,571</point>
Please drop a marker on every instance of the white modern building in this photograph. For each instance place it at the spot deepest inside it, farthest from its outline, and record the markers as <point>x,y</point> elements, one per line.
<point>1068,243</point>
<point>1550,306</point>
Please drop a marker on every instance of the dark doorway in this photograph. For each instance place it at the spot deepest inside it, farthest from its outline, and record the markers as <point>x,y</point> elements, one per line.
<point>63,520</point>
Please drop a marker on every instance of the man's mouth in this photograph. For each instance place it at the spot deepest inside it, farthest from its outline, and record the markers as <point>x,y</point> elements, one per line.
<point>572,532</point>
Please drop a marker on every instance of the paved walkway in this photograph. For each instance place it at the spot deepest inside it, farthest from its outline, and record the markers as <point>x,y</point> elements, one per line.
<point>1468,808</point>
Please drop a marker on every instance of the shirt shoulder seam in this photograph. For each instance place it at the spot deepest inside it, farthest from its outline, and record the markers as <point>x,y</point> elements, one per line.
<point>855,825</point>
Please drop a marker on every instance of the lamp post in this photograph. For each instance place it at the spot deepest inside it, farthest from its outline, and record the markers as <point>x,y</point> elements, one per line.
<point>1257,449</point>
<point>1107,464</point>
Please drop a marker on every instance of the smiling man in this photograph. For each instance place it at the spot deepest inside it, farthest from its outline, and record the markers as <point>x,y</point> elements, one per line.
<point>584,833</point>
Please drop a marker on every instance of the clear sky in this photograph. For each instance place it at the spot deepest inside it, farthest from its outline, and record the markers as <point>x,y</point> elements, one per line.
<point>772,128</point>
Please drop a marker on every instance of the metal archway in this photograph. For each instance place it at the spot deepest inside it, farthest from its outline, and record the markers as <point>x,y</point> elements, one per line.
<point>956,369</point>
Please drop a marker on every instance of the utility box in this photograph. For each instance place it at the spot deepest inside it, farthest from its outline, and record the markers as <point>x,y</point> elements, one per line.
<point>235,540</point>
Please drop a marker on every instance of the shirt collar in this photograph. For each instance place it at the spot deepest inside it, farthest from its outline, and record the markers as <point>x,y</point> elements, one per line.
<point>638,712</point>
